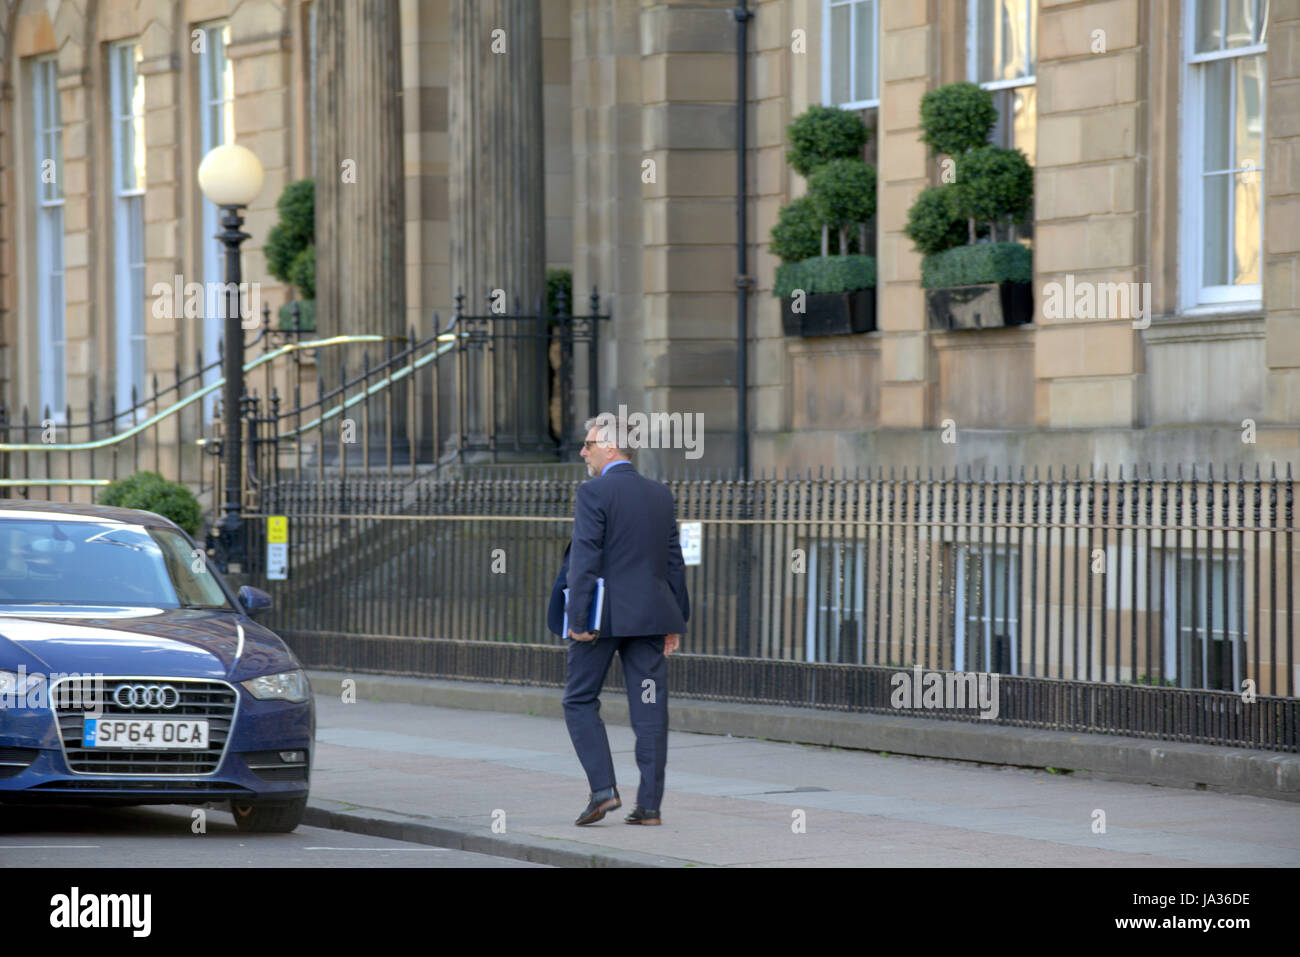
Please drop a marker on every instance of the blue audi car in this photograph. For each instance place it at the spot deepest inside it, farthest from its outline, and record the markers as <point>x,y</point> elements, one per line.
<point>130,673</point>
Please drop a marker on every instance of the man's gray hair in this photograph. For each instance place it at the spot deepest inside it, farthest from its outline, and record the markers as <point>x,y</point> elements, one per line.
<point>609,427</point>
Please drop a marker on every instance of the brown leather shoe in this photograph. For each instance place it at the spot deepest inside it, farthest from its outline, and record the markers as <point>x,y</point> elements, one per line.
<point>598,807</point>
<point>642,816</point>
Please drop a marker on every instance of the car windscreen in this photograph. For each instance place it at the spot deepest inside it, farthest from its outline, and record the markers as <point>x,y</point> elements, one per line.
<point>98,563</point>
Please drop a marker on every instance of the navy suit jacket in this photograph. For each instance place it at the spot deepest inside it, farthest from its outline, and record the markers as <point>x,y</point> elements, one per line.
<point>555,610</point>
<point>625,531</point>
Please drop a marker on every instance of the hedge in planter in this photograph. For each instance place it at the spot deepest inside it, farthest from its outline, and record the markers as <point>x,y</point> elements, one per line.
<point>977,287</point>
<point>838,295</point>
<point>972,283</point>
<point>826,274</point>
<point>827,285</point>
<point>981,263</point>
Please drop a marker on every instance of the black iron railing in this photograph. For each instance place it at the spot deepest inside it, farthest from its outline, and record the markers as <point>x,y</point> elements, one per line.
<point>1177,586</point>
<point>339,406</point>
<point>71,456</point>
<point>457,394</point>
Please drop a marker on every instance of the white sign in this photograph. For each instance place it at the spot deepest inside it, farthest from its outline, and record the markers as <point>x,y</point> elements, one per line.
<point>277,561</point>
<point>691,536</point>
<point>277,547</point>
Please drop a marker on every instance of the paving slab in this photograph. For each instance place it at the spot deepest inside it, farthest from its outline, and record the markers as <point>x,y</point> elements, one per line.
<point>509,784</point>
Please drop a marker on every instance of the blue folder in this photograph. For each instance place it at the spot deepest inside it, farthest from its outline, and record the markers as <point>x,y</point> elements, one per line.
<point>597,606</point>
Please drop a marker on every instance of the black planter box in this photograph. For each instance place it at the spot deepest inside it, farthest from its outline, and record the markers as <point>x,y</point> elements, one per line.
<point>985,306</point>
<point>831,314</point>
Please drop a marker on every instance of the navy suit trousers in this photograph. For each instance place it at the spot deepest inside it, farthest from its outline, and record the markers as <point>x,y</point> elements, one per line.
<point>643,660</point>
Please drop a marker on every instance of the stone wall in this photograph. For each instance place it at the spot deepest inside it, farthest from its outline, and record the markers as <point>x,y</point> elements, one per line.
<point>1282,223</point>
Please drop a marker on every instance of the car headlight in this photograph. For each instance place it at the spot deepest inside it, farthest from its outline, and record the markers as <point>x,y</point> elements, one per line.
<point>287,685</point>
<point>17,683</point>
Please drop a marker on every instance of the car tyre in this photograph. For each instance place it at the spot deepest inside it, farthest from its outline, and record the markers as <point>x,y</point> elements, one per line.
<point>268,818</point>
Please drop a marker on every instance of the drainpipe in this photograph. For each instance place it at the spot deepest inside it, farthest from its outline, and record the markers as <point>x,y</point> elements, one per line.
<point>742,16</point>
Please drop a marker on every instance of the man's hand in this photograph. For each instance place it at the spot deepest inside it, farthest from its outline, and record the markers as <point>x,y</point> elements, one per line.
<point>671,642</point>
<point>584,636</point>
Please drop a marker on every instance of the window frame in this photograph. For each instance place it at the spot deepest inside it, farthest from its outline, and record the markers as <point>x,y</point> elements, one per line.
<point>843,551</point>
<point>216,34</point>
<point>1003,92</point>
<point>827,65</point>
<point>1195,297</point>
<point>129,319</point>
<point>989,556</point>
<point>1209,593</point>
<point>48,220</point>
<point>972,50</point>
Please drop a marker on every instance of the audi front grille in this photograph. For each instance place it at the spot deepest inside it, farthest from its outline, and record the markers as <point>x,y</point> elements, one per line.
<point>213,700</point>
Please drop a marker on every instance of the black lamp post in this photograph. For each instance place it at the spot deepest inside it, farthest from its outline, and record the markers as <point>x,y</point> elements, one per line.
<point>231,177</point>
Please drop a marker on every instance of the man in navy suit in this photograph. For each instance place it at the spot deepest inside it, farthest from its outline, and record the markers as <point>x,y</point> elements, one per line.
<point>624,531</point>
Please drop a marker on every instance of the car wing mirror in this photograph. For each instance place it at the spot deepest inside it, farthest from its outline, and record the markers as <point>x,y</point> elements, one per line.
<point>253,599</point>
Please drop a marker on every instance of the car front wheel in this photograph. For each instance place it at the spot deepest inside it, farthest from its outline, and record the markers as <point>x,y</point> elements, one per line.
<point>268,818</point>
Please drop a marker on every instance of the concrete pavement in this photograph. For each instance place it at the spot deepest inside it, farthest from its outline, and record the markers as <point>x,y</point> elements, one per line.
<point>164,836</point>
<point>509,784</point>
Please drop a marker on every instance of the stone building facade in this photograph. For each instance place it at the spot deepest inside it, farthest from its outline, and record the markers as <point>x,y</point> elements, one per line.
<point>601,138</point>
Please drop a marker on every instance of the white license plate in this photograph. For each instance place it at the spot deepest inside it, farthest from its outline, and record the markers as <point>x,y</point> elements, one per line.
<point>145,733</point>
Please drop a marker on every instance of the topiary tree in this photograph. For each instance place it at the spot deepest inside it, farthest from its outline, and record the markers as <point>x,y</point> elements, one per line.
<point>797,233</point>
<point>557,281</point>
<point>826,147</point>
<point>822,134</point>
<point>302,272</point>
<point>957,117</point>
<point>290,244</point>
<point>933,224</point>
<point>153,493</point>
<point>295,231</point>
<point>993,186</point>
<point>843,194</point>
<point>821,137</point>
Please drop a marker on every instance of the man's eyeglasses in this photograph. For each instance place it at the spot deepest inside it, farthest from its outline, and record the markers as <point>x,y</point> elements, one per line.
<point>589,443</point>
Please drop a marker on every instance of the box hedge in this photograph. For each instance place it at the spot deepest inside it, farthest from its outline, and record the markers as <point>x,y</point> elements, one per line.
<point>825,275</point>
<point>153,493</point>
<point>978,264</point>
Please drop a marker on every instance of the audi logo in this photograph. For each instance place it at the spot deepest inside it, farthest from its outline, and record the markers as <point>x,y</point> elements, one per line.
<point>163,697</point>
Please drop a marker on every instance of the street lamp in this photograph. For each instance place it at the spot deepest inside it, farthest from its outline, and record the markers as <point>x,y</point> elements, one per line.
<point>231,177</point>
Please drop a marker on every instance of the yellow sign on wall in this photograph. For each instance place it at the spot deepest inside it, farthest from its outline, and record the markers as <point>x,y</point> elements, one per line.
<point>277,547</point>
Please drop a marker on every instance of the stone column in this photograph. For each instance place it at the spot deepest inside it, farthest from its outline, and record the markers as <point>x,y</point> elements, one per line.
<point>607,196</point>
<point>360,212</point>
<point>360,194</point>
<point>497,205</point>
<point>426,60</point>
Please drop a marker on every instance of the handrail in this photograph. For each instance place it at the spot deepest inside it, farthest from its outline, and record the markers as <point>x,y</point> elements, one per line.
<point>52,482</point>
<point>448,340</point>
<point>192,397</point>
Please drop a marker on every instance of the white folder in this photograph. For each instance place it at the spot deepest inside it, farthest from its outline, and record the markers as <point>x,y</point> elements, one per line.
<point>597,606</point>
